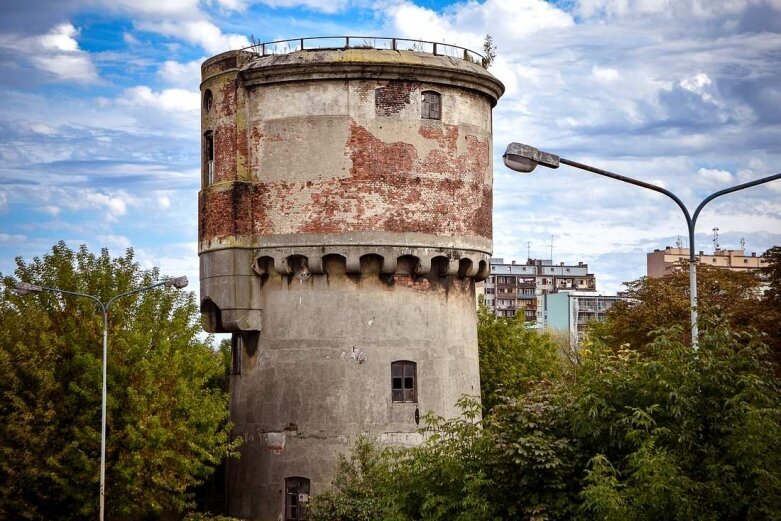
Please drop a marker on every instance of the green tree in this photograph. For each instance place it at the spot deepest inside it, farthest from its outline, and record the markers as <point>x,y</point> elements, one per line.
<point>512,357</point>
<point>167,416</point>
<point>769,316</point>
<point>359,491</point>
<point>772,275</point>
<point>663,302</point>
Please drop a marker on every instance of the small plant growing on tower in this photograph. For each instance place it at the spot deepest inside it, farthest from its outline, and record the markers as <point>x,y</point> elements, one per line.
<point>489,51</point>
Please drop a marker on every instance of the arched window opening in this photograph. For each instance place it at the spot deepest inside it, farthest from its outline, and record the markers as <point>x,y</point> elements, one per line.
<point>403,382</point>
<point>208,157</point>
<point>431,105</point>
<point>208,100</point>
<point>296,498</point>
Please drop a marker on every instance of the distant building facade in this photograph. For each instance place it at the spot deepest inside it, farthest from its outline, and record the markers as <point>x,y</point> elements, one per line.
<point>660,262</point>
<point>523,288</point>
<point>571,311</point>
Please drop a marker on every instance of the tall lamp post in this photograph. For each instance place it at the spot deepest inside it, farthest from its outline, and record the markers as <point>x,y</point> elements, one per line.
<point>524,158</point>
<point>23,288</point>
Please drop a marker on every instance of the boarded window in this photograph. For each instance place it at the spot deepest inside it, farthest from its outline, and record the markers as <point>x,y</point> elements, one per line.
<point>296,498</point>
<point>403,385</point>
<point>432,105</point>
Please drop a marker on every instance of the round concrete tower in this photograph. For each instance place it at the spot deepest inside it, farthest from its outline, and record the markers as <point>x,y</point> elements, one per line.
<point>344,218</point>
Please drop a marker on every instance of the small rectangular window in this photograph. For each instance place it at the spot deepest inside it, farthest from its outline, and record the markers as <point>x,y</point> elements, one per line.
<point>431,105</point>
<point>403,382</point>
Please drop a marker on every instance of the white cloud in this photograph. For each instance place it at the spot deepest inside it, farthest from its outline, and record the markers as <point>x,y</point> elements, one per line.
<point>61,38</point>
<point>154,8</point>
<point>163,201</point>
<point>325,6</point>
<point>56,52</point>
<point>604,74</point>
<point>182,74</point>
<point>199,32</point>
<point>698,84</point>
<point>116,241</point>
<point>114,204</point>
<point>180,19</point>
<point>11,238</point>
<point>173,100</point>
<point>469,22</point>
<point>668,8</point>
<point>715,175</point>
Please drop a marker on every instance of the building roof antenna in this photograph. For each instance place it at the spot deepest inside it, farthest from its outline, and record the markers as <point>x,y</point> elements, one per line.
<point>551,248</point>
<point>715,240</point>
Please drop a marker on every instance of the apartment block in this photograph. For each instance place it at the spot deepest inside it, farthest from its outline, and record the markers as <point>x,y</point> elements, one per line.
<point>660,262</point>
<point>513,288</point>
<point>571,311</point>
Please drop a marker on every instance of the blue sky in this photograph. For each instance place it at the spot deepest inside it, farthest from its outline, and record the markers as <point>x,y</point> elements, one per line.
<point>100,123</point>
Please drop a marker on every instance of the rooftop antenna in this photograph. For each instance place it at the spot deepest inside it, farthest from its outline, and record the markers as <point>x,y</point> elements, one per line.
<point>679,243</point>
<point>742,243</point>
<point>551,248</point>
<point>715,240</point>
<point>528,250</point>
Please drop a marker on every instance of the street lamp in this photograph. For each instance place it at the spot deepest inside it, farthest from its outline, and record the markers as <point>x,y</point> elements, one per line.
<point>524,158</point>
<point>23,288</point>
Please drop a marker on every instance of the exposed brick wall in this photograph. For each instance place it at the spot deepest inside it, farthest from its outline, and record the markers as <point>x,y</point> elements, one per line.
<point>392,98</point>
<point>225,213</point>
<point>389,188</point>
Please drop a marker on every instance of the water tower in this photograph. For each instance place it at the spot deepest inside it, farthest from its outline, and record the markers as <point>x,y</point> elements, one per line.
<point>344,217</point>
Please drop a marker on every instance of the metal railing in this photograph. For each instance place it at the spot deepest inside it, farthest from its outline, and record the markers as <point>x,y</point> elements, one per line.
<point>364,42</point>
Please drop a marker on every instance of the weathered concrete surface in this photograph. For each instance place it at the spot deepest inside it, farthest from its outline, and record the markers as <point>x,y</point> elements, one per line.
<point>302,395</point>
<point>348,231</point>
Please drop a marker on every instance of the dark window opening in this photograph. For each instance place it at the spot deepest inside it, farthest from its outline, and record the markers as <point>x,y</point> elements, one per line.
<point>431,108</point>
<point>208,101</point>
<point>403,378</point>
<point>237,346</point>
<point>208,152</point>
<point>296,498</point>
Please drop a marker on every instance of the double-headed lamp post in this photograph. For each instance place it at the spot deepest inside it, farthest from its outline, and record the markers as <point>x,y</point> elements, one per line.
<point>524,158</point>
<point>23,288</point>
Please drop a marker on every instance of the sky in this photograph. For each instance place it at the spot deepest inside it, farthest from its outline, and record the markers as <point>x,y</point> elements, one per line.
<point>99,118</point>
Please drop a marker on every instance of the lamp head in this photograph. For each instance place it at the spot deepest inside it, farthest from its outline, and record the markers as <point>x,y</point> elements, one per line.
<point>524,158</point>
<point>177,282</point>
<point>23,288</point>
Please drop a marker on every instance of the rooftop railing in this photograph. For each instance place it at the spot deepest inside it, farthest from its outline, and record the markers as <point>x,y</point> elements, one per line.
<point>364,42</point>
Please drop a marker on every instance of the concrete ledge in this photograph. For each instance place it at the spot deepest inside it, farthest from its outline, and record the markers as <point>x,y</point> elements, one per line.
<point>374,64</point>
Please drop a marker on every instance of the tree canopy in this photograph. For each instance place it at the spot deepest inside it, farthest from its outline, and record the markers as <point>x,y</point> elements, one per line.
<point>726,297</point>
<point>512,357</point>
<point>167,416</point>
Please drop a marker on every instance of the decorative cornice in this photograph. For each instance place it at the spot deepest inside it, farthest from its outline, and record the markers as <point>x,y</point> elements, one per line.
<point>394,260</point>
